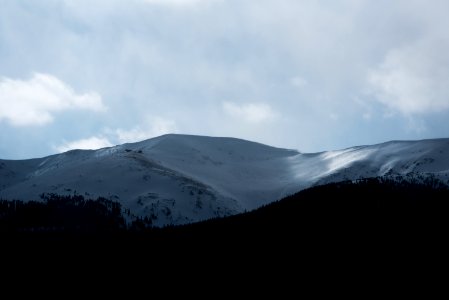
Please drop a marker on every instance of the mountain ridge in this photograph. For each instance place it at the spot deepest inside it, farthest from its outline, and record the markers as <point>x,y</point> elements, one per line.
<point>177,179</point>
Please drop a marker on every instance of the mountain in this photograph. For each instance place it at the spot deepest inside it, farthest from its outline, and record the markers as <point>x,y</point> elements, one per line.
<point>177,179</point>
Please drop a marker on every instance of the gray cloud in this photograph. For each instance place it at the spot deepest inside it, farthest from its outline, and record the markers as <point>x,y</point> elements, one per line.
<point>414,78</point>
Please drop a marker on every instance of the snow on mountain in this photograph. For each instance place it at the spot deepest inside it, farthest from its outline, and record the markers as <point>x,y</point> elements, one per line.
<point>175,179</point>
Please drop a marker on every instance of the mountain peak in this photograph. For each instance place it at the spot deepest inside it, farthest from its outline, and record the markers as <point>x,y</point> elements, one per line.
<point>176,179</point>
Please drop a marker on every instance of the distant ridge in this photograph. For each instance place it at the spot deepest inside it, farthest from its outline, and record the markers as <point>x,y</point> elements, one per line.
<point>178,179</point>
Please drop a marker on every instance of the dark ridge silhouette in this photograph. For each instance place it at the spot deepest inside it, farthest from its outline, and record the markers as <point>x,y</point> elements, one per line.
<point>361,213</point>
<point>374,221</point>
<point>61,214</point>
<point>367,207</point>
<point>365,211</point>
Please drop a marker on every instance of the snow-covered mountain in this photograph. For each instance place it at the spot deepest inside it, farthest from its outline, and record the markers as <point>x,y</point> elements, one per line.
<point>175,179</point>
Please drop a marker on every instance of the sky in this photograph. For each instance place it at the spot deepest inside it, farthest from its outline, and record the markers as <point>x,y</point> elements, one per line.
<point>311,75</point>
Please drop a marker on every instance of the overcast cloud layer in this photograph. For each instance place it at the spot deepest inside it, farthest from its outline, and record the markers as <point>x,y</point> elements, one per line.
<point>304,74</point>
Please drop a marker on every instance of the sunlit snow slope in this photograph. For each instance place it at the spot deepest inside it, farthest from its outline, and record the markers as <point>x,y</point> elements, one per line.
<point>176,179</point>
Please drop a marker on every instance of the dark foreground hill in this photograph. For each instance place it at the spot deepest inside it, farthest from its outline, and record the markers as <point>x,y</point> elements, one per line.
<point>366,210</point>
<point>366,225</point>
<point>370,235</point>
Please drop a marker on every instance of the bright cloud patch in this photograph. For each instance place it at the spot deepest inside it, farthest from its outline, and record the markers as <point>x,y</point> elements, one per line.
<point>176,2</point>
<point>34,102</point>
<point>86,144</point>
<point>414,79</point>
<point>156,127</point>
<point>252,112</point>
<point>298,82</point>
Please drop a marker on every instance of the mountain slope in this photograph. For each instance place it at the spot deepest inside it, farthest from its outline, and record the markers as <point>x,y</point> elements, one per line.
<point>176,179</point>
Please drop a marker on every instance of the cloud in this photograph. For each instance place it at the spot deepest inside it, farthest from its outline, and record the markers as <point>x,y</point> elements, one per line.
<point>86,144</point>
<point>178,2</point>
<point>251,112</point>
<point>34,101</point>
<point>157,126</point>
<point>303,59</point>
<point>298,81</point>
<point>414,79</point>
